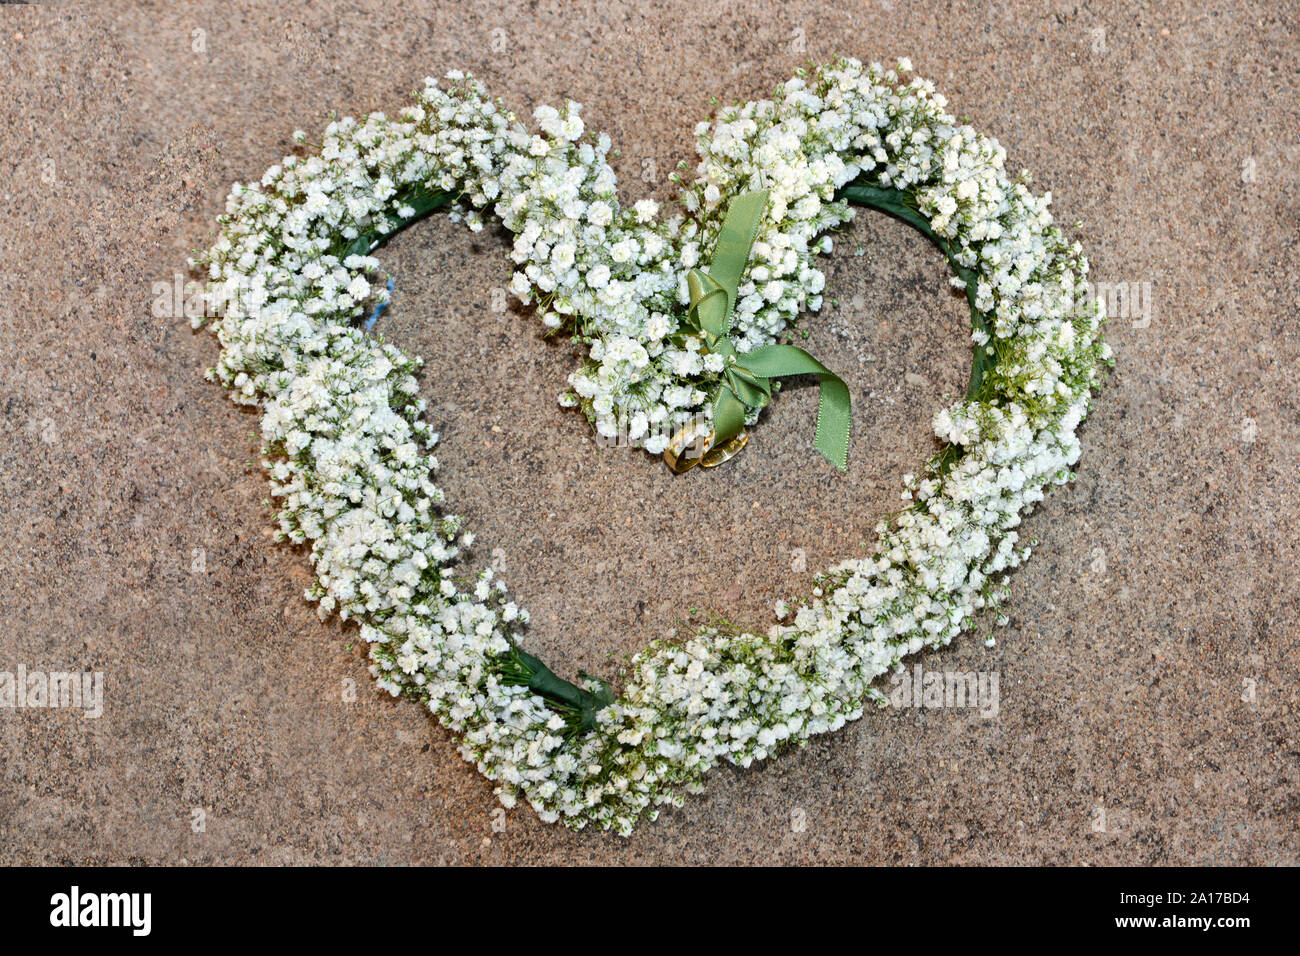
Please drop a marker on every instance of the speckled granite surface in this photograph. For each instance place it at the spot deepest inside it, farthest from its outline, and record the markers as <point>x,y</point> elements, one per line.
<point>1148,678</point>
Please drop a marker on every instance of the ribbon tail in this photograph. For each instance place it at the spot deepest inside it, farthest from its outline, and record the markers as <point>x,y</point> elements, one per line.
<point>728,416</point>
<point>833,419</point>
<point>834,410</point>
<point>735,239</point>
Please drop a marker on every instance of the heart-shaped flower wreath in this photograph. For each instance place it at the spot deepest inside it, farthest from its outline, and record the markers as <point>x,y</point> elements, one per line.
<point>347,450</point>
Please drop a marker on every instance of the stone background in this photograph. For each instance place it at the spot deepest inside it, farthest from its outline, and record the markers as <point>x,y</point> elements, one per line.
<point>136,543</point>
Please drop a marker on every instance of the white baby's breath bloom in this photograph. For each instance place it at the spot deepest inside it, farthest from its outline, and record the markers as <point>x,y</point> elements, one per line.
<point>646,210</point>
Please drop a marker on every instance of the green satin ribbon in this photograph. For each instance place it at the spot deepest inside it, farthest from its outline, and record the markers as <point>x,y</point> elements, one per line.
<point>747,376</point>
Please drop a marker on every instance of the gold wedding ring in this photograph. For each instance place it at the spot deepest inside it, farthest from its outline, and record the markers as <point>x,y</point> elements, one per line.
<point>724,452</point>
<point>687,447</point>
<point>693,445</point>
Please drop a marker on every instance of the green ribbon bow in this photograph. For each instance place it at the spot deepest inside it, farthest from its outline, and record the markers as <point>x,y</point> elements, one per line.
<point>746,377</point>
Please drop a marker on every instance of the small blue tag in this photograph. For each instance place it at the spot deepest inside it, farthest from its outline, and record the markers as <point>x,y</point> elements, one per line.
<point>379,308</point>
